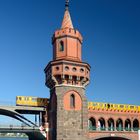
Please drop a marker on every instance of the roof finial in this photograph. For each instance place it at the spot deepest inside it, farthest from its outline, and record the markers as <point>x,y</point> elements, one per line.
<point>67,5</point>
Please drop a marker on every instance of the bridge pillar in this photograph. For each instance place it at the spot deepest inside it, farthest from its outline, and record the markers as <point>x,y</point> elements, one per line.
<point>139,134</point>
<point>35,119</point>
<point>114,125</point>
<point>40,119</point>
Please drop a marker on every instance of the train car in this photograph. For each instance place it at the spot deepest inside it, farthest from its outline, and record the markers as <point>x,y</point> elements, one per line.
<point>119,107</point>
<point>31,101</point>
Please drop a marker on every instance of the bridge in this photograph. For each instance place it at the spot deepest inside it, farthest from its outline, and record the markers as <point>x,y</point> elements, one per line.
<point>28,127</point>
<point>105,121</point>
<point>17,111</point>
<point>32,132</point>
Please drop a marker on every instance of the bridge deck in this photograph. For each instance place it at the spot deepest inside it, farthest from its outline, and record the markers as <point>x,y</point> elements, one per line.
<point>24,109</point>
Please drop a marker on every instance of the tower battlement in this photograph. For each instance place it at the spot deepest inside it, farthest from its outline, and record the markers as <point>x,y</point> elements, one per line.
<point>69,32</point>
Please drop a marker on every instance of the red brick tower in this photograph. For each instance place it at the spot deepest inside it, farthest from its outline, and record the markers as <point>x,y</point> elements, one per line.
<point>67,77</point>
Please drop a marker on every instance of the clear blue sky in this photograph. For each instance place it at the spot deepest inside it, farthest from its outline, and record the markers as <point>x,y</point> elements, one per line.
<point>111,31</point>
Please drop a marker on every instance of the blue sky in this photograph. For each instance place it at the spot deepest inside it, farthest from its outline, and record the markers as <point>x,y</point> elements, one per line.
<point>111,31</point>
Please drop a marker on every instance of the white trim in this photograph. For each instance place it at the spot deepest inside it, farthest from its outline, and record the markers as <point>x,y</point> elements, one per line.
<point>66,85</point>
<point>139,134</point>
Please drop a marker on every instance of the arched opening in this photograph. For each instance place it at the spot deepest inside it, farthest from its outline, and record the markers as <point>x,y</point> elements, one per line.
<point>72,101</point>
<point>119,125</point>
<point>67,79</point>
<point>92,124</point>
<point>74,79</point>
<point>113,138</point>
<point>135,125</point>
<point>111,124</point>
<point>61,46</point>
<point>127,125</point>
<point>101,124</point>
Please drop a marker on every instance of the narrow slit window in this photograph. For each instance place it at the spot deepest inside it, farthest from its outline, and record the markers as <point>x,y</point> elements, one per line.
<point>72,101</point>
<point>61,46</point>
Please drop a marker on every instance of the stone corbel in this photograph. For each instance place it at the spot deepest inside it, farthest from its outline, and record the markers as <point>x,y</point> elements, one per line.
<point>86,83</point>
<point>54,79</point>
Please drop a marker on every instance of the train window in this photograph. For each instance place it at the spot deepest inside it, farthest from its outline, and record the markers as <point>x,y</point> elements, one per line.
<point>20,98</point>
<point>108,105</point>
<point>116,106</point>
<point>94,104</point>
<point>126,106</point>
<point>100,105</point>
<point>132,107</point>
<point>121,106</point>
<point>34,99</point>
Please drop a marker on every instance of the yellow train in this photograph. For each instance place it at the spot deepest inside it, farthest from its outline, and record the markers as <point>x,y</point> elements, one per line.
<point>31,101</point>
<point>119,107</point>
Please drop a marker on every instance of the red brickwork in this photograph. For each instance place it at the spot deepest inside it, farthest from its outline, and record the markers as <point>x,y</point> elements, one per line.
<point>107,114</point>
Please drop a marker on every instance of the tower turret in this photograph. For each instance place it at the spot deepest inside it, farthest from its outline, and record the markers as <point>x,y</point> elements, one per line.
<point>67,66</point>
<point>67,41</point>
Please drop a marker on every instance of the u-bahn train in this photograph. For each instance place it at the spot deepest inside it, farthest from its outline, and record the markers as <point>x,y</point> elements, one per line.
<point>121,107</point>
<point>31,101</point>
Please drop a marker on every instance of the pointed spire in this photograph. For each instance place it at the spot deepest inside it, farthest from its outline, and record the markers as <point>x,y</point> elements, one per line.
<point>67,5</point>
<point>67,22</point>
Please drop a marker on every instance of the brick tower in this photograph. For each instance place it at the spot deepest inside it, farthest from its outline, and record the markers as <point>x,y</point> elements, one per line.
<point>67,76</point>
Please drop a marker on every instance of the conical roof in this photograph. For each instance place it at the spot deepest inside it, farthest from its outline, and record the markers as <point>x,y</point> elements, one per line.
<point>67,22</point>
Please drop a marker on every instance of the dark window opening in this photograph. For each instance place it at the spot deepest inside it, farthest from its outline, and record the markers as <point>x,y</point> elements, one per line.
<point>111,124</point>
<point>92,124</point>
<point>101,124</point>
<point>61,47</point>
<point>72,101</point>
<point>119,125</point>
<point>127,125</point>
<point>135,125</point>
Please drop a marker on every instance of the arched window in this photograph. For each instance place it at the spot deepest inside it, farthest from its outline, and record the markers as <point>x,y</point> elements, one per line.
<point>92,124</point>
<point>72,100</point>
<point>111,124</point>
<point>61,46</point>
<point>127,125</point>
<point>101,124</point>
<point>119,125</point>
<point>135,125</point>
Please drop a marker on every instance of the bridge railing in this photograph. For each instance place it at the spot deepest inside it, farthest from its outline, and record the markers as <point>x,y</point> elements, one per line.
<point>93,128</point>
<point>22,127</point>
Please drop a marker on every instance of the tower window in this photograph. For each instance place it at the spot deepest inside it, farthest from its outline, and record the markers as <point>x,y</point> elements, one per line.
<point>61,46</point>
<point>72,101</point>
<point>74,69</point>
<point>66,68</point>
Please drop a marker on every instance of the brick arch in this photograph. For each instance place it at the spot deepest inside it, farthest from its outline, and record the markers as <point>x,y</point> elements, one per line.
<point>135,124</point>
<point>112,137</point>
<point>92,123</point>
<point>111,124</point>
<point>119,124</point>
<point>78,100</point>
<point>127,124</point>
<point>101,123</point>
